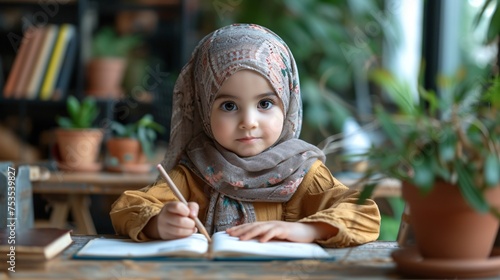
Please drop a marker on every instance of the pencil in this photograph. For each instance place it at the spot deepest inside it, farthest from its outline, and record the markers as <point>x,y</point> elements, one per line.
<point>179,196</point>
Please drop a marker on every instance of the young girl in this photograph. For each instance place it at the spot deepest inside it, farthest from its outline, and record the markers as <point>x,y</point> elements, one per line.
<point>234,153</point>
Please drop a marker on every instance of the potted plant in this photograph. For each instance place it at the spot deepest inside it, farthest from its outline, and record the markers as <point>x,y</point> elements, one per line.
<point>78,142</point>
<point>132,144</point>
<point>444,144</point>
<point>109,60</point>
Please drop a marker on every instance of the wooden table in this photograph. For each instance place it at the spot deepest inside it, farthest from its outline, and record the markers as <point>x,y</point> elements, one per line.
<point>70,192</point>
<point>369,261</point>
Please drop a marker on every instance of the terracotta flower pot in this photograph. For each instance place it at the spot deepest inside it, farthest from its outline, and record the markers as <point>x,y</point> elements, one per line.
<point>126,155</point>
<point>446,227</point>
<point>79,149</point>
<point>104,77</point>
<point>127,151</point>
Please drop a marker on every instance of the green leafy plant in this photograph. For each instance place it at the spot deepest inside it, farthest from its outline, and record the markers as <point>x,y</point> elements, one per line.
<point>81,114</point>
<point>107,43</point>
<point>494,23</point>
<point>452,136</point>
<point>144,130</point>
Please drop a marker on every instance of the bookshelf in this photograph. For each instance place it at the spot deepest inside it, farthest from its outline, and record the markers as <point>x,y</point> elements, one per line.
<point>166,43</point>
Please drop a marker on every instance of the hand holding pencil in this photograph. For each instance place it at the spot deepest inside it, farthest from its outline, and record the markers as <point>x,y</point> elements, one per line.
<point>179,196</point>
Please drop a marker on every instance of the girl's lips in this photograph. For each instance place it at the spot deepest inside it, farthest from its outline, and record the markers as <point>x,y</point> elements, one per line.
<point>246,139</point>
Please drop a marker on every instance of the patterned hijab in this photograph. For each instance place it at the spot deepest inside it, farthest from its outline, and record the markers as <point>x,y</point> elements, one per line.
<point>233,182</point>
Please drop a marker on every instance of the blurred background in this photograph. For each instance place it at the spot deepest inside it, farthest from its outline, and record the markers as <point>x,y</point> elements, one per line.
<point>336,44</point>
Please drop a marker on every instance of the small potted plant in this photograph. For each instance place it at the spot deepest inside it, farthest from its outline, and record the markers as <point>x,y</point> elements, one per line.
<point>78,142</point>
<point>132,144</point>
<point>109,60</point>
<point>445,149</point>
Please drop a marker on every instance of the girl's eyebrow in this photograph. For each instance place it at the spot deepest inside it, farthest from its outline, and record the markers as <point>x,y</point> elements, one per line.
<point>229,96</point>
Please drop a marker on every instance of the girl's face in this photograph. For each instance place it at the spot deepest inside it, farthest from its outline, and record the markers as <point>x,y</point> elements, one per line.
<point>247,116</point>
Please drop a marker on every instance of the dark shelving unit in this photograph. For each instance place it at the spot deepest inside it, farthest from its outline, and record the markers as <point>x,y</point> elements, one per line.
<point>167,44</point>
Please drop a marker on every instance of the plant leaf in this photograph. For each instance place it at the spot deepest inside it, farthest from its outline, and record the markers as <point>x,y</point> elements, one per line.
<point>366,192</point>
<point>73,107</point>
<point>469,190</point>
<point>494,26</point>
<point>64,122</point>
<point>492,95</point>
<point>87,113</point>
<point>492,170</point>
<point>390,128</point>
<point>145,143</point>
<point>477,18</point>
<point>423,174</point>
<point>119,129</point>
<point>441,170</point>
<point>397,91</point>
<point>447,144</point>
<point>431,97</point>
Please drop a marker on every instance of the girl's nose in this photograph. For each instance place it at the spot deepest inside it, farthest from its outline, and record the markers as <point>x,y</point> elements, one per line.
<point>249,120</point>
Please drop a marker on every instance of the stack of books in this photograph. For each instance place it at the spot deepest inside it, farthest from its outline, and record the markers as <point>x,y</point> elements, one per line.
<point>43,64</point>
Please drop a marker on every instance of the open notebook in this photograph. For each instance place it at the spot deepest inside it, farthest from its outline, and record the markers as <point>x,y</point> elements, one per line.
<point>223,247</point>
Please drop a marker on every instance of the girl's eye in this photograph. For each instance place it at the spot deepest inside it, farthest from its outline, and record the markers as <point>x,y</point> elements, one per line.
<point>266,104</point>
<point>228,106</point>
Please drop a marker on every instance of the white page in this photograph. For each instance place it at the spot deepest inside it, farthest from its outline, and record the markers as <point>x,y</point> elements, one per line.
<point>196,244</point>
<point>226,245</point>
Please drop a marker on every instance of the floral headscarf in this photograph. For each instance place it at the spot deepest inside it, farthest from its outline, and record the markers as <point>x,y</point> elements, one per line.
<point>233,182</point>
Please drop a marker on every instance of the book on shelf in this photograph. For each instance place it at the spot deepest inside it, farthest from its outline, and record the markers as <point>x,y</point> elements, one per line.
<point>36,244</point>
<point>63,80</point>
<point>196,246</point>
<point>35,40</point>
<point>42,59</point>
<point>17,65</point>
<point>56,60</point>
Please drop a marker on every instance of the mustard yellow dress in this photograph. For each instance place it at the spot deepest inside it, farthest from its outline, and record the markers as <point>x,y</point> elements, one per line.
<point>319,198</point>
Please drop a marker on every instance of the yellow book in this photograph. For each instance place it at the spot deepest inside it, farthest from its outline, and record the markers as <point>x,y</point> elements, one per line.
<point>54,67</point>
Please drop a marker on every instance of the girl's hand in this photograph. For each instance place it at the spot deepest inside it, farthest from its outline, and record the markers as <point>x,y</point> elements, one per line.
<point>290,231</point>
<point>174,221</point>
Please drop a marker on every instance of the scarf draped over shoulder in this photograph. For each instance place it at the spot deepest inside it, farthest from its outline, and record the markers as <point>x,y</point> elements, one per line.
<point>233,182</point>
